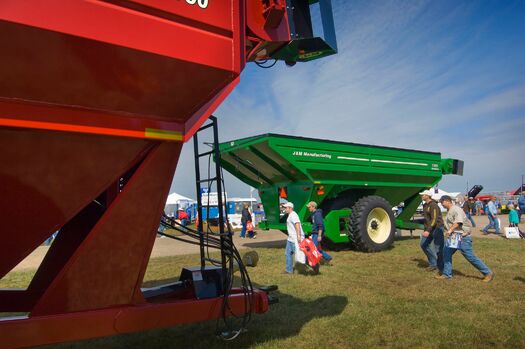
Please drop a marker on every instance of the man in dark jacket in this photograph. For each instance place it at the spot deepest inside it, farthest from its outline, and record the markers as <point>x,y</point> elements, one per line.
<point>432,238</point>
<point>246,217</point>
<point>318,229</point>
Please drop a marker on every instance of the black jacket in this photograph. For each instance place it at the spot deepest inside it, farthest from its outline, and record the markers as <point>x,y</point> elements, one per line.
<point>246,216</point>
<point>433,217</point>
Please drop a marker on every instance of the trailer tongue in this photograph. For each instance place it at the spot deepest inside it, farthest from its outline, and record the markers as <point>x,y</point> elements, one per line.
<point>356,185</point>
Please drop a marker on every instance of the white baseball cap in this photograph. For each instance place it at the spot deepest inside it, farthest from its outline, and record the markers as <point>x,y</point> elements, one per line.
<point>288,204</point>
<point>427,192</point>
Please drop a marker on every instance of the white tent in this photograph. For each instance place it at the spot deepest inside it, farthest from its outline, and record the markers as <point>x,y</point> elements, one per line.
<point>440,193</point>
<point>175,198</point>
<point>176,201</point>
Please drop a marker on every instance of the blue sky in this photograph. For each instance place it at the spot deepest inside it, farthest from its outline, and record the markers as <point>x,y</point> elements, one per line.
<point>446,76</point>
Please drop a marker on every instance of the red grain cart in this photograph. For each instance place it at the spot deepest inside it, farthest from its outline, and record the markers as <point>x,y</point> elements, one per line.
<point>96,100</point>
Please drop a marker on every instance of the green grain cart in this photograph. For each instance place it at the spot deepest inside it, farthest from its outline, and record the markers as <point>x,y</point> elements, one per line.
<point>356,185</point>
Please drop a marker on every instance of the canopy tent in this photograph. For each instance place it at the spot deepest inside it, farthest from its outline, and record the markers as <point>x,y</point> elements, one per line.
<point>438,193</point>
<point>175,198</point>
<point>176,202</point>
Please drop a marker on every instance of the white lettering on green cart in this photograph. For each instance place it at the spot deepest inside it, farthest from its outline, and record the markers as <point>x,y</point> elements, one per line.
<point>312,154</point>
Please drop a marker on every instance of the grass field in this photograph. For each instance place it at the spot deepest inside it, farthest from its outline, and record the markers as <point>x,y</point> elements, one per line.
<point>363,301</point>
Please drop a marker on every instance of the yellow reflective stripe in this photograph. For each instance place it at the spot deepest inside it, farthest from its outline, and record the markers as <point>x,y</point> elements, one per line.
<point>163,134</point>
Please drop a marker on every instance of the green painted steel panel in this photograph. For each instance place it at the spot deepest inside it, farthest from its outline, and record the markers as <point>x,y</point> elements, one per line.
<point>328,171</point>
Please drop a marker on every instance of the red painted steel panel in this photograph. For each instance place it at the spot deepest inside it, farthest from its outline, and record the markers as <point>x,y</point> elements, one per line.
<point>65,71</point>
<point>125,70</point>
<point>107,268</point>
<point>119,26</point>
<point>69,119</point>
<point>216,12</point>
<point>48,177</point>
<point>255,22</point>
<point>39,330</point>
<point>201,116</point>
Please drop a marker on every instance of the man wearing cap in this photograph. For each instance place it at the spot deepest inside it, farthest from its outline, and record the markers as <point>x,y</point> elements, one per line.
<point>318,229</point>
<point>295,235</point>
<point>432,238</point>
<point>457,222</point>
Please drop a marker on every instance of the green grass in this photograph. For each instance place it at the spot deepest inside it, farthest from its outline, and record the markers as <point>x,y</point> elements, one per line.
<point>384,299</point>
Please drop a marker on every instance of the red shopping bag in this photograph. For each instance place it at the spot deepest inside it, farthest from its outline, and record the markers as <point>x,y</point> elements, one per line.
<point>312,253</point>
<point>249,226</point>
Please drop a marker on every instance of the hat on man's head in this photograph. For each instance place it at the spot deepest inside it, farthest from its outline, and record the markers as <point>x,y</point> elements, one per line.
<point>288,204</point>
<point>427,192</point>
<point>312,204</point>
<point>445,198</point>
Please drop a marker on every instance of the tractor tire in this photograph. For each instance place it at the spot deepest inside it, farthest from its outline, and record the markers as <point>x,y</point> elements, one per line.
<point>372,224</point>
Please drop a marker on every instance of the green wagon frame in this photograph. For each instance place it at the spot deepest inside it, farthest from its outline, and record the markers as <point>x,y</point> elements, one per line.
<point>356,185</point>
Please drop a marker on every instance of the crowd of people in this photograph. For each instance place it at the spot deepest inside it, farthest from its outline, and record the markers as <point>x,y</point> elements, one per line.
<point>442,237</point>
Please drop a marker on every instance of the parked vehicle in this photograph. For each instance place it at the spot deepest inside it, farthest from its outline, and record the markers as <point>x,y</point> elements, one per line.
<point>356,185</point>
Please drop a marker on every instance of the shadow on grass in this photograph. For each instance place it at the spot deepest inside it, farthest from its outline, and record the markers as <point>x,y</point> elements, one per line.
<point>403,238</point>
<point>519,278</point>
<point>283,320</point>
<point>458,273</point>
<point>421,263</point>
<point>265,244</point>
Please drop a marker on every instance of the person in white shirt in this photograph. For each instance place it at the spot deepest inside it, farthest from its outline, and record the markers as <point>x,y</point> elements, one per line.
<point>295,236</point>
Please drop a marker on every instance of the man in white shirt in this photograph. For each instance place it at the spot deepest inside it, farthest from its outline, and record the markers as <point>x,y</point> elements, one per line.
<point>295,235</point>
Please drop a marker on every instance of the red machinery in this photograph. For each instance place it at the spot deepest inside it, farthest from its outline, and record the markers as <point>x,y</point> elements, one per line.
<point>96,99</point>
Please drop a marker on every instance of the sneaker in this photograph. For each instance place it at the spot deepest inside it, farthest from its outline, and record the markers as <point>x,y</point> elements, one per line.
<point>484,232</point>
<point>441,277</point>
<point>431,268</point>
<point>488,277</point>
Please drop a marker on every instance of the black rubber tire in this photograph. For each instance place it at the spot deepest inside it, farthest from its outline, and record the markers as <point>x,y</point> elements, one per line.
<point>358,223</point>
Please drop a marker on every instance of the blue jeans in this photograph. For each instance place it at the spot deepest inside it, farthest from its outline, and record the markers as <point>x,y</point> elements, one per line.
<point>467,252</point>
<point>243,230</point>
<point>493,223</point>
<point>289,252</point>
<point>469,216</point>
<point>433,248</point>
<point>325,255</point>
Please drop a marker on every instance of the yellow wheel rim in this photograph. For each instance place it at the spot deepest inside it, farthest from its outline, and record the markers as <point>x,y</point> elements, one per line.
<point>378,225</point>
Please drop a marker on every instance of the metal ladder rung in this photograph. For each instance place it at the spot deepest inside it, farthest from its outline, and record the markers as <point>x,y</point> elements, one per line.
<point>206,126</point>
<point>206,153</point>
<point>207,180</point>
